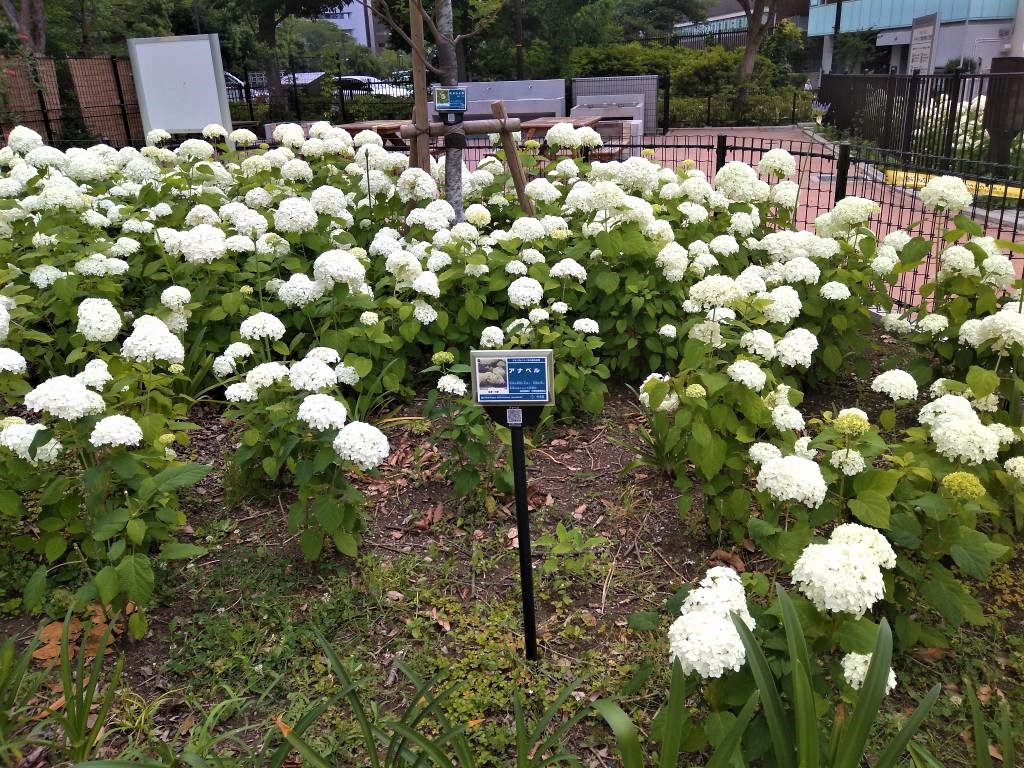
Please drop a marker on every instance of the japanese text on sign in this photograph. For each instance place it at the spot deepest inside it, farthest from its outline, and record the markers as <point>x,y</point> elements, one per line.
<point>504,377</point>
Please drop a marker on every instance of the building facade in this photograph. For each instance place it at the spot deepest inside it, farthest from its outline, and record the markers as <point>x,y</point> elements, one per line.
<point>358,20</point>
<point>923,35</point>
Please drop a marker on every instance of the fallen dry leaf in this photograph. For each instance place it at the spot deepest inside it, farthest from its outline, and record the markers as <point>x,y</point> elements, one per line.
<point>282,726</point>
<point>932,654</point>
<point>47,711</point>
<point>441,620</point>
<point>588,618</point>
<point>984,693</point>
<point>476,722</point>
<point>579,511</point>
<point>428,518</point>
<point>51,633</point>
<point>394,595</point>
<point>729,558</point>
<point>995,752</point>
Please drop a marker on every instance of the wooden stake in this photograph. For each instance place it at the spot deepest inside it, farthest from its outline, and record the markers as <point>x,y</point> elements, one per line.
<point>470,127</point>
<point>419,152</point>
<point>515,166</point>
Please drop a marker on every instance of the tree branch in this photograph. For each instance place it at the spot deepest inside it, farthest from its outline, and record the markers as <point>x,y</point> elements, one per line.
<point>389,19</point>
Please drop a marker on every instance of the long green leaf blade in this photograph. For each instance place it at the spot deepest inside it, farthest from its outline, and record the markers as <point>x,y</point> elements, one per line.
<point>855,733</point>
<point>902,739</point>
<point>803,704</point>
<point>725,751</point>
<point>676,718</point>
<point>778,724</point>
<point>624,730</point>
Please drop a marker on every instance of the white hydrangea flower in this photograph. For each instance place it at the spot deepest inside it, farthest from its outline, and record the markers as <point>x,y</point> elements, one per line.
<point>873,542</point>
<point>777,162</point>
<point>64,397</point>
<point>586,325</point>
<point>855,670</point>
<point>116,431</point>
<point>346,374</point>
<point>835,291</point>
<point>363,444</point>
<point>96,375</point>
<point>747,373</point>
<point>796,348</point>
<point>933,324</point>
<point>45,275</point>
<point>793,478</point>
<point>12,362</point>
<point>299,290</point>
<point>896,384</point>
<point>17,437</point>
<point>525,292</point>
<point>311,375</point>
<point>295,214</point>
<point>98,320</point>
<point>667,331</point>
<point>839,577</point>
<point>262,325</point>
<point>492,337</point>
<point>152,340</point>
<point>965,439</point>
<point>1015,468</point>
<point>322,412</point>
<point>759,342</point>
<point>761,453</point>
<point>240,392</point>
<point>451,384</point>
<point>946,193</point>
<point>266,374</point>
<point>175,297</point>
<point>848,461</point>
<point>784,304</point>
<point>369,319</point>
<point>569,268</point>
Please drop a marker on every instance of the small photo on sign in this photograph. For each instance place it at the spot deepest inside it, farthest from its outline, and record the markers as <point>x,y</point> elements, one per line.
<point>492,375</point>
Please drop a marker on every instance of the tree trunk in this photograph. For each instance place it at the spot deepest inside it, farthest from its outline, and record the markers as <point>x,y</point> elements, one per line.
<point>29,23</point>
<point>750,53</point>
<point>277,99</point>
<point>448,60</point>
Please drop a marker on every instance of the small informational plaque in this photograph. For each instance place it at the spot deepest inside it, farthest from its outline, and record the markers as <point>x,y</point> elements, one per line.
<point>513,376</point>
<point>450,99</point>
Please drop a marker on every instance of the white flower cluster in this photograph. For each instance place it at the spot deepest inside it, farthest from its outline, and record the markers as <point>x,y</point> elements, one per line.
<point>704,639</point>
<point>855,670</point>
<point>946,193</point>
<point>793,478</point>
<point>957,431</point>
<point>322,412</point>
<point>845,574</point>
<point>116,431</point>
<point>362,444</point>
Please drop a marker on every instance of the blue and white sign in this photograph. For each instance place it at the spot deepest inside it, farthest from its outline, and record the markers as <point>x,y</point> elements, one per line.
<point>513,377</point>
<point>450,99</point>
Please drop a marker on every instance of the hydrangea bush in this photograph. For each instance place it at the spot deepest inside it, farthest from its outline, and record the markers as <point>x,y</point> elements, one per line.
<point>308,284</point>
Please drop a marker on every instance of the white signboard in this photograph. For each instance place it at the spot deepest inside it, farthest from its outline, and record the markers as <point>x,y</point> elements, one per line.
<point>180,82</point>
<point>922,43</point>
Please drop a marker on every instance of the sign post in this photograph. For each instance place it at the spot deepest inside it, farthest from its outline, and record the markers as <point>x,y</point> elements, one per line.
<point>514,386</point>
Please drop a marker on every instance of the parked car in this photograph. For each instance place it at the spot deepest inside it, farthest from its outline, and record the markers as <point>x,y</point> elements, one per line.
<point>351,86</point>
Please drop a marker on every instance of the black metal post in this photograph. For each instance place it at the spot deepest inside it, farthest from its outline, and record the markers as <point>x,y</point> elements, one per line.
<point>842,170</point>
<point>665,102</point>
<point>908,119</point>
<point>707,120</point>
<point>341,91</point>
<point>248,93</point>
<point>792,116</point>
<point>890,97</point>
<point>835,33</point>
<point>523,529</point>
<point>120,101</point>
<point>951,118</point>
<point>295,90</point>
<point>720,149</point>
<point>42,109</point>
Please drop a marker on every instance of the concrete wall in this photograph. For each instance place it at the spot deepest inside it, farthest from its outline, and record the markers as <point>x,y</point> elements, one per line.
<point>640,85</point>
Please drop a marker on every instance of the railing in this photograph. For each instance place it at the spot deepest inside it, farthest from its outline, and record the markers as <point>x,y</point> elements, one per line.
<point>957,120</point>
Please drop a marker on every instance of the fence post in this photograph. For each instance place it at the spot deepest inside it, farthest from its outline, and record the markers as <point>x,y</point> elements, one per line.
<point>951,117</point>
<point>120,101</point>
<point>890,98</point>
<point>720,148</point>
<point>792,115</point>
<point>248,93</point>
<point>341,90</point>
<point>295,90</point>
<point>43,109</point>
<point>707,120</point>
<point>908,122</point>
<point>842,170</point>
<point>665,102</point>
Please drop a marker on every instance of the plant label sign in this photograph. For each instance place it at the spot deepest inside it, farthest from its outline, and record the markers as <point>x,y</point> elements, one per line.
<point>450,99</point>
<point>513,376</point>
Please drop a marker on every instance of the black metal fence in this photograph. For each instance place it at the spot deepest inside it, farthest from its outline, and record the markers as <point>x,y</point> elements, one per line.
<point>956,120</point>
<point>695,39</point>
